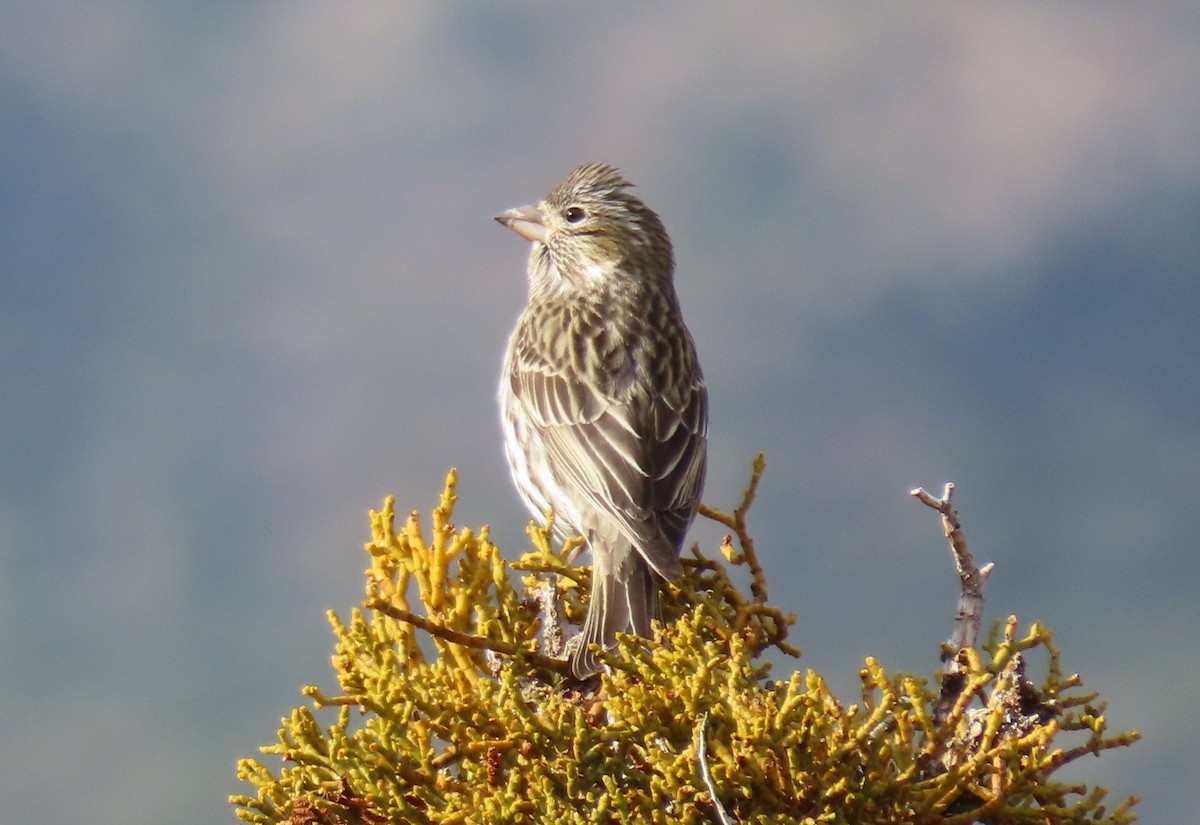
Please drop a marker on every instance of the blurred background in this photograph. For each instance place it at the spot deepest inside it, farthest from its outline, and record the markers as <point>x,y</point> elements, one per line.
<point>250,284</point>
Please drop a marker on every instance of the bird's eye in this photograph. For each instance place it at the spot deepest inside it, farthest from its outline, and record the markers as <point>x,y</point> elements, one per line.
<point>574,214</point>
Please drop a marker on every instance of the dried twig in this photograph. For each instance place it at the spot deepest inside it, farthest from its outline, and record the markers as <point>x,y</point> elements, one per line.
<point>969,617</point>
<point>547,597</point>
<point>467,640</point>
<point>737,523</point>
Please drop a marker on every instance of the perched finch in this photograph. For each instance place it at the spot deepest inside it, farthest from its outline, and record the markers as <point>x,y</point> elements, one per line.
<point>603,404</point>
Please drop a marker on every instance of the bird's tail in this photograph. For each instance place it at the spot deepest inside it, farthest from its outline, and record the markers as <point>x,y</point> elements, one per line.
<point>624,600</point>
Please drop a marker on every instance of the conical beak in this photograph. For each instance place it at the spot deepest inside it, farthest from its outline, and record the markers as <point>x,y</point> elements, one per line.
<point>526,221</point>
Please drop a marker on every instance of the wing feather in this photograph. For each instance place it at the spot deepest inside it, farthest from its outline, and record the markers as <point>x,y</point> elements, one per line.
<point>648,486</point>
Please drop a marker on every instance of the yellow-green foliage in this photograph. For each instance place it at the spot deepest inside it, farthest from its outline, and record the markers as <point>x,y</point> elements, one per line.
<point>450,713</point>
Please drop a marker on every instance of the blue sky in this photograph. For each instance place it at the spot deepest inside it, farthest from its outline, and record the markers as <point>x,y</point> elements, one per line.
<point>250,284</point>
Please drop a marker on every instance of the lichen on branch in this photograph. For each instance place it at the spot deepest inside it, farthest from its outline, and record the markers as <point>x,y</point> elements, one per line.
<point>451,707</point>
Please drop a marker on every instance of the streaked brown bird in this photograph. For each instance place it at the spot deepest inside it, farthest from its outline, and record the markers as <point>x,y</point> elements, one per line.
<point>603,403</point>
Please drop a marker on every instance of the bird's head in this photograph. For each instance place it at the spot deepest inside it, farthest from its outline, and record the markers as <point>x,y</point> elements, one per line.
<point>590,232</point>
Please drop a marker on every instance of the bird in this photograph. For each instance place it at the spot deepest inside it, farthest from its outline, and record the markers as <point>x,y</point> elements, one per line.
<point>603,403</point>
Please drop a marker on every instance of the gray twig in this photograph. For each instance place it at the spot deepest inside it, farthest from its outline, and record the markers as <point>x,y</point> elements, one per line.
<point>705,775</point>
<point>969,617</point>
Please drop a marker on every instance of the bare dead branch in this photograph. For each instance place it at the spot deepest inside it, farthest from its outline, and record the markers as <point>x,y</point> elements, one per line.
<point>969,616</point>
